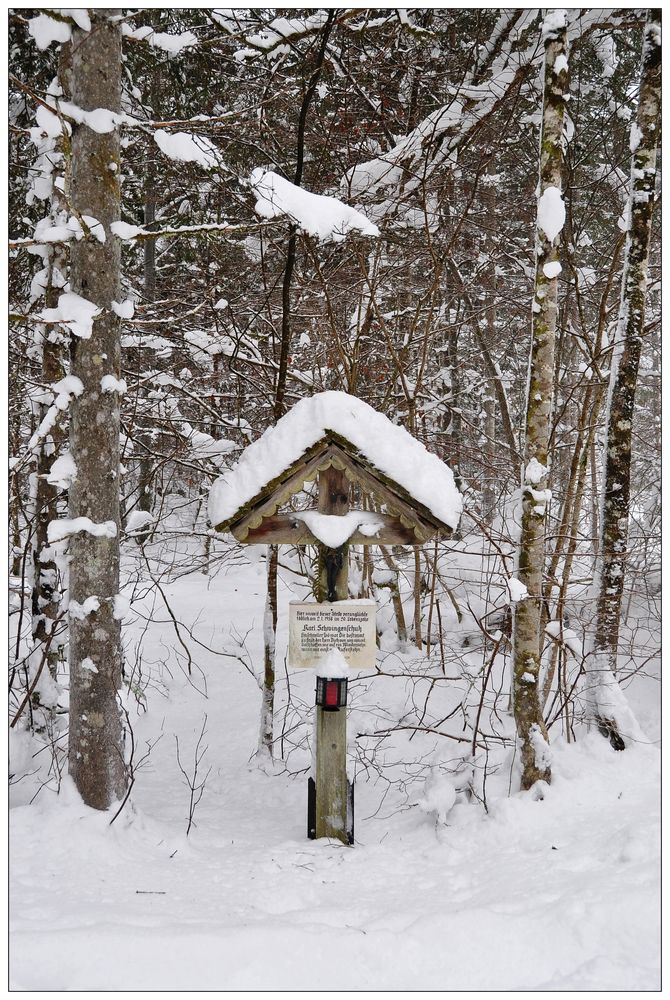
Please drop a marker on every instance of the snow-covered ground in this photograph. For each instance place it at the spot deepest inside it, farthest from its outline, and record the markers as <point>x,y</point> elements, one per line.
<point>560,893</point>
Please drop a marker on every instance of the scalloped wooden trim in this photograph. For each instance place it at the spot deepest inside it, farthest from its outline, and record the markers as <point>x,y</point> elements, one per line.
<point>292,485</point>
<point>290,529</point>
<point>372,482</point>
<point>336,451</point>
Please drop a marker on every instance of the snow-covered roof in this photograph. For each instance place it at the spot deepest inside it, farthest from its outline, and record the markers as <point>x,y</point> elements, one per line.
<point>383,444</point>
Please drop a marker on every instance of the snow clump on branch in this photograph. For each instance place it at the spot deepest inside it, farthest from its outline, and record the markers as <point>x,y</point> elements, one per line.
<point>74,312</point>
<point>46,29</point>
<point>517,591</point>
<point>317,215</point>
<point>61,528</point>
<point>63,472</point>
<point>535,472</point>
<point>174,45</point>
<point>551,212</point>
<point>187,148</point>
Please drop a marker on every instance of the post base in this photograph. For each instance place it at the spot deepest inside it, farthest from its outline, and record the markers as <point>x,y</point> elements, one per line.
<point>311,811</point>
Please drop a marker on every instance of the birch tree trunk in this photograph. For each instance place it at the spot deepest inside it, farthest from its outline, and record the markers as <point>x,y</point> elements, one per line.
<point>96,754</point>
<point>608,704</point>
<point>266,734</point>
<point>527,640</point>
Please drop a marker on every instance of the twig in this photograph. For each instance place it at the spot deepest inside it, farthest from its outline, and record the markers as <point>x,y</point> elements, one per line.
<point>196,788</point>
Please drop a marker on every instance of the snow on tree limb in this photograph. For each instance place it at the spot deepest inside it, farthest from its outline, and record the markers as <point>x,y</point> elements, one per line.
<point>62,528</point>
<point>188,148</point>
<point>503,65</point>
<point>74,312</point>
<point>172,44</point>
<point>438,136</point>
<point>65,390</point>
<point>127,232</point>
<point>282,30</point>
<point>56,24</point>
<point>317,215</point>
<point>282,34</point>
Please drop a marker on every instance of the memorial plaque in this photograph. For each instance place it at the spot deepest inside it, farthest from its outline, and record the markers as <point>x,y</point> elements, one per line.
<point>349,626</point>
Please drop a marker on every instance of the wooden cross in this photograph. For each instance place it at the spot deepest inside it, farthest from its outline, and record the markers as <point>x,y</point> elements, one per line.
<point>332,790</point>
<point>333,794</point>
<point>336,462</point>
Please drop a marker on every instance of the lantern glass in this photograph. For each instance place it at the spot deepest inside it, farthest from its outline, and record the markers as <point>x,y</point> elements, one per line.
<point>331,693</point>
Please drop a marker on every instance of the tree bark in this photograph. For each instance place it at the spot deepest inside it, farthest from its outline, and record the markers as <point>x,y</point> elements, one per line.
<point>418,637</point>
<point>46,582</point>
<point>527,641</point>
<point>609,707</point>
<point>96,753</point>
<point>266,735</point>
<point>489,447</point>
<point>145,499</point>
<point>270,622</point>
<point>46,595</point>
<point>396,597</point>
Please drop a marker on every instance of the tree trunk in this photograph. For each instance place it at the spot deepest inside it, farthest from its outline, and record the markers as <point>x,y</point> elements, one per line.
<point>418,637</point>
<point>46,582</point>
<point>527,641</point>
<point>455,419</point>
<point>270,623</point>
<point>96,754</point>
<point>489,447</point>
<point>396,597</point>
<point>266,735</point>
<point>609,707</point>
<point>145,500</point>
<point>46,595</point>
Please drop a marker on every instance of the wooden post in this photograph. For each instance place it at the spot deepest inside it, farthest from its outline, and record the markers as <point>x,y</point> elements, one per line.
<point>331,727</point>
<point>331,774</point>
<point>333,582</point>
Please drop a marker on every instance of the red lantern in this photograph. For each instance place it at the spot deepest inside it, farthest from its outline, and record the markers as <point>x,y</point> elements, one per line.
<point>331,693</point>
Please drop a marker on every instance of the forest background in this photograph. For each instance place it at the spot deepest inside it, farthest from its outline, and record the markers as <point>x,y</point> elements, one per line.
<point>428,122</point>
